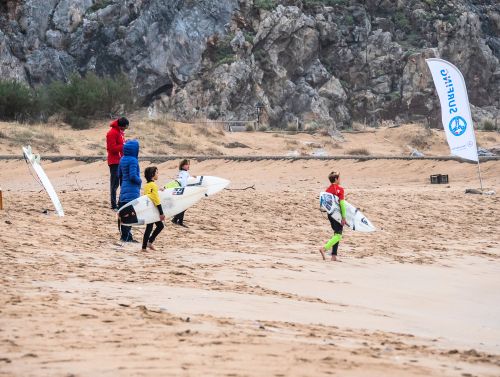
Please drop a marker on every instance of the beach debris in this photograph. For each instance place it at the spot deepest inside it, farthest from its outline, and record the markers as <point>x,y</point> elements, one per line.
<point>479,192</point>
<point>235,144</point>
<point>483,152</point>
<point>416,153</point>
<point>241,189</point>
<point>319,153</point>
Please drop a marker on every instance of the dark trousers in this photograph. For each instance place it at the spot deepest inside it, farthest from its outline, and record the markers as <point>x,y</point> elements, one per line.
<point>126,231</point>
<point>337,229</point>
<point>179,218</point>
<point>148,237</point>
<point>114,183</point>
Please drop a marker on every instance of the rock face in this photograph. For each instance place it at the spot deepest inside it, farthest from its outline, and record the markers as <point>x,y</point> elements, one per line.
<point>317,62</point>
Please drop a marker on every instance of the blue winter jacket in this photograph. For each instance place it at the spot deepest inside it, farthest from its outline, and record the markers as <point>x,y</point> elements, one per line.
<point>129,173</point>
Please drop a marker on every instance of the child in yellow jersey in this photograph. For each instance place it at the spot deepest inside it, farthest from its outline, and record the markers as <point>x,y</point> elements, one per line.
<point>151,190</point>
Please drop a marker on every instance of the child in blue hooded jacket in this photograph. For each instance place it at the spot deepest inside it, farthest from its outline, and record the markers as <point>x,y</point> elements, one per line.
<point>130,181</point>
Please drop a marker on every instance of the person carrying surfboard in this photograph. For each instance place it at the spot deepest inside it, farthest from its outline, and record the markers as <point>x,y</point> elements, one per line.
<point>337,190</point>
<point>181,181</point>
<point>115,138</point>
<point>151,190</point>
<point>130,178</point>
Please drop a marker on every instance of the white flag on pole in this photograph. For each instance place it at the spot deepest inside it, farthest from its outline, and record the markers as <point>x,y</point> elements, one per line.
<point>455,109</point>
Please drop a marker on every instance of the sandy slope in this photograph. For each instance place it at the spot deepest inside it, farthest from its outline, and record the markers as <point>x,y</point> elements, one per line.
<point>243,292</point>
<point>167,137</point>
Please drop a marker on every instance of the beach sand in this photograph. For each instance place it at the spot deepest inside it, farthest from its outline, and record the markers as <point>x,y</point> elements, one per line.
<point>243,291</point>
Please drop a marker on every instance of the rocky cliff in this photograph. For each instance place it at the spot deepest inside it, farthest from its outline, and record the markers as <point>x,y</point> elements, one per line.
<point>325,62</point>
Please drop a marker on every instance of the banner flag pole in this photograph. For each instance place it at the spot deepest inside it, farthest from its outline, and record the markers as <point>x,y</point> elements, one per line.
<point>455,110</point>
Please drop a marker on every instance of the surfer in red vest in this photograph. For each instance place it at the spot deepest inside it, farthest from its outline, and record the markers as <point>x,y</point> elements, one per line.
<point>338,191</point>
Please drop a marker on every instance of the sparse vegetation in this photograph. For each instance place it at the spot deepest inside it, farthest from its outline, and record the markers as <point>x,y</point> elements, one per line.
<point>422,139</point>
<point>263,128</point>
<point>292,128</point>
<point>326,2</point>
<point>401,21</point>
<point>249,128</point>
<point>224,53</point>
<point>358,152</point>
<point>249,36</point>
<point>265,4</point>
<point>77,101</point>
<point>488,125</point>
<point>99,4</point>
<point>212,151</point>
<point>17,101</point>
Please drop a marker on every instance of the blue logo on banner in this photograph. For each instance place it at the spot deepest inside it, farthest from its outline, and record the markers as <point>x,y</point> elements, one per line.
<point>457,126</point>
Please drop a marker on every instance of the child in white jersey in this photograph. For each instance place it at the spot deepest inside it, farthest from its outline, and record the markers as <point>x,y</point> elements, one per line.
<point>182,179</point>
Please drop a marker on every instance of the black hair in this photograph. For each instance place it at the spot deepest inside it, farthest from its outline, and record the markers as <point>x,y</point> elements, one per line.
<point>122,122</point>
<point>333,176</point>
<point>150,172</point>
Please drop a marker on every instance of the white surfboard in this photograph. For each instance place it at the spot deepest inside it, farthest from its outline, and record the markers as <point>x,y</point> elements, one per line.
<point>142,210</point>
<point>34,160</point>
<point>354,217</point>
<point>213,184</point>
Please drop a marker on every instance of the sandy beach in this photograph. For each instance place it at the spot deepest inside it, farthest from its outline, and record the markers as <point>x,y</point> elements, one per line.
<point>243,291</point>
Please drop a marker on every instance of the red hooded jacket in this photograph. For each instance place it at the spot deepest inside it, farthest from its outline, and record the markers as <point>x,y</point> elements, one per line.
<point>115,138</point>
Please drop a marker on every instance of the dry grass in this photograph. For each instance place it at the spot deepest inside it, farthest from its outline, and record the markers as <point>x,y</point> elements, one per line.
<point>212,151</point>
<point>41,137</point>
<point>492,139</point>
<point>187,146</point>
<point>358,152</point>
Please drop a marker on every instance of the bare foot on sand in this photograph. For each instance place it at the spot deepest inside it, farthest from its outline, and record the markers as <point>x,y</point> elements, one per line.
<point>322,251</point>
<point>144,250</point>
<point>334,259</point>
<point>150,245</point>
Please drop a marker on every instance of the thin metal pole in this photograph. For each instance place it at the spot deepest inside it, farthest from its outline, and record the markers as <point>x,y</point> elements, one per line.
<point>479,172</point>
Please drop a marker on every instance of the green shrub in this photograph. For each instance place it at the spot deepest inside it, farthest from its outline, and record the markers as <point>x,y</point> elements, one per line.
<point>85,97</point>
<point>265,4</point>
<point>262,128</point>
<point>16,100</point>
<point>401,21</point>
<point>79,99</point>
<point>89,95</point>
<point>249,37</point>
<point>249,128</point>
<point>223,51</point>
<point>77,122</point>
<point>99,4</point>
<point>326,2</point>
<point>488,125</point>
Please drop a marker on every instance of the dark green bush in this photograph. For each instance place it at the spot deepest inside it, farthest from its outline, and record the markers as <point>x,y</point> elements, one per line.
<point>224,52</point>
<point>265,4</point>
<point>401,21</point>
<point>77,122</point>
<point>488,125</point>
<point>89,96</point>
<point>326,2</point>
<point>16,101</point>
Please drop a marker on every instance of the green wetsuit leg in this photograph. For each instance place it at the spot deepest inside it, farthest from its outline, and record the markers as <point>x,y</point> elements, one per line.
<point>335,239</point>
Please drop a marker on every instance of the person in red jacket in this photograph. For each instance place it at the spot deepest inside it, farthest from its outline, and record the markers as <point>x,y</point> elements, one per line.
<point>115,138</point>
